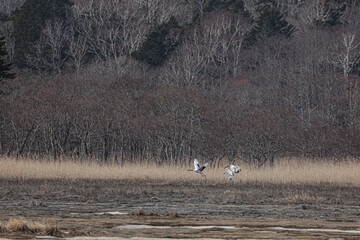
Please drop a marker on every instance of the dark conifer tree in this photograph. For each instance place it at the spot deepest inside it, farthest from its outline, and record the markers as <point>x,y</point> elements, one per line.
<point>5,68</point>
<point>158,43</point>
<point>270,22</point>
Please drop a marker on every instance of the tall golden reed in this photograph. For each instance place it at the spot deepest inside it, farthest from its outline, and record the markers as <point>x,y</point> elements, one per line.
<point>284,171</point>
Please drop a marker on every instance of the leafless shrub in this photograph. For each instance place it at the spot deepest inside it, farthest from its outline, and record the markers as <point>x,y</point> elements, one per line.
<point>23,225</point>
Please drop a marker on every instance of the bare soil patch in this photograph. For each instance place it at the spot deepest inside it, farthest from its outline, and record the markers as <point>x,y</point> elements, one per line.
<point>95,208</point>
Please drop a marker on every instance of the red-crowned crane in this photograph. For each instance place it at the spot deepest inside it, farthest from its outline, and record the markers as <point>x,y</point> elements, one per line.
<point>198,168</point>
<point>230,170</point>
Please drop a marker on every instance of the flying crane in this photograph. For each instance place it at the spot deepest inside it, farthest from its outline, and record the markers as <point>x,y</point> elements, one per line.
<point>198,168</point>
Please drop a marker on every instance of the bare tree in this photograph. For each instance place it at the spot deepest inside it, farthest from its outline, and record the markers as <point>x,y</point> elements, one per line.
<point>263,136</point>
<point>351,15</point>
<point>186,67</point>
<point>210,51</point>
<point>318,12</point>
<point>112,28</point>
<point>346,56</point>
<point>78,48</point>
<point>133,26</point>
<point>346,51</point>
<point>198,6</point>
<point>49,50</point>
<point>7,6</point>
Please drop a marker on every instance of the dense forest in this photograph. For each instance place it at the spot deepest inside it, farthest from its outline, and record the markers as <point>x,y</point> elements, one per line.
<point>165,81</point>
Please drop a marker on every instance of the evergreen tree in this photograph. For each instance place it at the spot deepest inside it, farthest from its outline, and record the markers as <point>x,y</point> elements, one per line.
<point>4,67</point>
<point>29,20</point>
<point>158,44</point>
<point>270,23</point>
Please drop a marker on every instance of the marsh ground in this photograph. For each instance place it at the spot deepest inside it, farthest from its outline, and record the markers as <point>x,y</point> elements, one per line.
<point>98,208</point>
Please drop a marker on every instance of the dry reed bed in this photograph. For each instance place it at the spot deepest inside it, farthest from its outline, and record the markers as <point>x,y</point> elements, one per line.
<point>22,225</point>
<point>285,171</point>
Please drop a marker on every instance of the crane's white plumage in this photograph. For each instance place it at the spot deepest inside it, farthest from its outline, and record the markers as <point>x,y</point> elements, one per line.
<point>198,168</point>
<point>230,170</point>
<point>235,169</point>
<point>229,174</point>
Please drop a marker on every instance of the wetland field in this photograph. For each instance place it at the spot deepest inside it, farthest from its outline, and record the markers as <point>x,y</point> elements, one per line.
<point>67,200</point>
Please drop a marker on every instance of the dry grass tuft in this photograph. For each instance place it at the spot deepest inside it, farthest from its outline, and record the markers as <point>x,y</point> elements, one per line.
<point>284,171</point>
<point>172,214</point>
<point>24,226</point>
<point>53,231</point>
<point>2,228</point>
<point>140,212</point>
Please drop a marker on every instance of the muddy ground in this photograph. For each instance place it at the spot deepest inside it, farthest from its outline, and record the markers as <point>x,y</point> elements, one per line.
<point>88,209</point>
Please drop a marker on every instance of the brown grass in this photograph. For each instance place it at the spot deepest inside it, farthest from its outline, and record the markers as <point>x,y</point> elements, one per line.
<point>2,228</point>
<point>22,225</point>
<point>53,231</point>
<point>285,171</point>
<point>301,198</point>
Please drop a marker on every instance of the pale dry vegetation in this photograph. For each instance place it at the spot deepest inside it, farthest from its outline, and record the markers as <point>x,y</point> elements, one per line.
<point>22,225</point>
<point>285,171</point>
<point>307,171</point>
